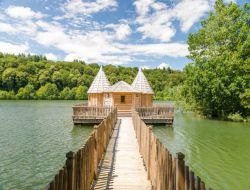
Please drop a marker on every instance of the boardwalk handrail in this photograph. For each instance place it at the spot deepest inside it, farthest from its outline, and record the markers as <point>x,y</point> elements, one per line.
<point>164,170</point>
<point>80,168</point>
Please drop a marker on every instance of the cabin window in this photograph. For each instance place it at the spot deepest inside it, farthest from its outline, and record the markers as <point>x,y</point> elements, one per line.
<point>122,99</point>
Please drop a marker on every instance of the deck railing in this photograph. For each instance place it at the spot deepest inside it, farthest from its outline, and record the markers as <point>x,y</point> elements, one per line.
<point>80,167</point>
<point>165,171</point>
<point>90,112</point>
<point>156,112</point>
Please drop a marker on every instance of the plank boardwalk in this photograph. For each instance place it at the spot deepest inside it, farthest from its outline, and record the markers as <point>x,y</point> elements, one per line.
<point>122,166</point>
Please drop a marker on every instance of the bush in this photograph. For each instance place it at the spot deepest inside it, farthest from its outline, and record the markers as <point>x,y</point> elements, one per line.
<point>7,95</point>
<point>47,92</point>
<point>26,93</point>
<point>81,93</point>
<point>67,94</point>
<point>235,117</point>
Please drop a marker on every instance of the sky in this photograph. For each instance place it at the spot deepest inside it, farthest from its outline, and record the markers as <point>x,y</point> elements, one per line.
<point>141,33</point>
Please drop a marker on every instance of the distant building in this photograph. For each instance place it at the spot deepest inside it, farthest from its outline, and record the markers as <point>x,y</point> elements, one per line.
<point>121,95</point>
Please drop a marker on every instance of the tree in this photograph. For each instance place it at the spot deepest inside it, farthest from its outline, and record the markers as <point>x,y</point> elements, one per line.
<point>67,94</point>
<point>26,93</point>
<point>49,92</point>
<point>20,74</point>
<point>216,80</point>
<point>81,93</point>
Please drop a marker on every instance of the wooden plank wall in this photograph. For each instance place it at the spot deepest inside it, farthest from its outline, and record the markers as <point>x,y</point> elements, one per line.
<point>127,106</point>
<point>80,167</point>
<point>165,171</point>
<point>95,99</point>
<point>146,100</point>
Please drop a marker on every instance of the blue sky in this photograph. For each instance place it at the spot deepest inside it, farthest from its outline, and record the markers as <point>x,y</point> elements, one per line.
<point>143,33</point>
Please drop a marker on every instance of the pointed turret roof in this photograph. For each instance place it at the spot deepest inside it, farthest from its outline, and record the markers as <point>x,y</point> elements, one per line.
<point>100,83</point>
<point>141,83</point>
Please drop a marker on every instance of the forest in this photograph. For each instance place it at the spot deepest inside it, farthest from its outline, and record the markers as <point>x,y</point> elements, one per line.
<point>35,77</point>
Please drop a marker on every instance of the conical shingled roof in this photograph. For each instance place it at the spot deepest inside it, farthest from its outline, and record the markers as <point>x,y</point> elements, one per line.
<point>100,83</point>
<point>122,86</point>
<point>141,83</point>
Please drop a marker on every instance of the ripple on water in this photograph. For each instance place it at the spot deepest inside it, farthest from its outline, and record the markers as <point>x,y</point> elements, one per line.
<point>34,137</point>
<point>217,151</point>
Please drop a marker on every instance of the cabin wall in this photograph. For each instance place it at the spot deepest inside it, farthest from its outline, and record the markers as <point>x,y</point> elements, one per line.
<point>107,100</point>
<point>95,100</point>
<point>127,105</point>
<point>146,100</point>
<point>137,100</point>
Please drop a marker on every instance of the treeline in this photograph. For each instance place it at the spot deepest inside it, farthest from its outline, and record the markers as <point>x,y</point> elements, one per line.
<point>35,77</point>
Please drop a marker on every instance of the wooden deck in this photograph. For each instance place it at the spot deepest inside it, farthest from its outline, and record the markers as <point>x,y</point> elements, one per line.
<point>122,166</point>
<point>83,114</point>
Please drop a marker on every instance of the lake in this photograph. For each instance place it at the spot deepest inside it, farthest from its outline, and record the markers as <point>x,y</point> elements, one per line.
<point>35,135</point>
<point>34,138</point>
<point>218,151</point>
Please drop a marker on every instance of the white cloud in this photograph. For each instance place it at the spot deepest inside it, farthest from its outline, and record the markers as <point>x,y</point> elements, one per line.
<point>122,30</point>
<point>190,11</point>
<point>51,56</point>
<point>145,67</point>
<point>97,44</point>
<point>87,8</point>
<point>163,65</point>
<point>156,19</point>
<point>6,47</point>
<point>5,27</point>
<point>143,6</point>
<point>23,13</point>
<point>157,26</point>
<point>161,49</point>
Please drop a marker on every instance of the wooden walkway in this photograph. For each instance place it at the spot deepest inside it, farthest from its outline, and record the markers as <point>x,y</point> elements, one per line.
<point>122,166</point>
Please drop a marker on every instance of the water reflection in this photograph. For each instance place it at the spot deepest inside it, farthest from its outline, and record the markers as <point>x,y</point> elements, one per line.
<point>218,151</point>
<point>34,137</point>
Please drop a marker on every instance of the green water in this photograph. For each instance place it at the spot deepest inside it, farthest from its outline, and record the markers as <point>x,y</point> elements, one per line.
<point>218,151</point>
<point>34,137</point>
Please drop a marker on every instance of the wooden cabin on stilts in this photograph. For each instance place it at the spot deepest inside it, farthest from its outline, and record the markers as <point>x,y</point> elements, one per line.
<point>125,97</point>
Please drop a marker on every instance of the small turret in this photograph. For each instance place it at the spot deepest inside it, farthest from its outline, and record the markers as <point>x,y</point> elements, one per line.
<point>141,83</point>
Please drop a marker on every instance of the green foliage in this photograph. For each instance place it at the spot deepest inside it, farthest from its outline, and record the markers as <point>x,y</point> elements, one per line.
<point>67,94</point>
<point>235,117</point>
<point>34,77</point>
<point>217,81</point>
<point>49,91</point>
<point>81,93</point>
<point>26,93</point>
<point>7,95</point>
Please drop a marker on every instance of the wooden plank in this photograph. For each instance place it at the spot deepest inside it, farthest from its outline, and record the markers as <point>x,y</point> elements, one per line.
<point>123,166</point>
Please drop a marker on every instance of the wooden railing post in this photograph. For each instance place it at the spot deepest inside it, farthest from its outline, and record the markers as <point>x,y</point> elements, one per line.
<point>96,150</point>
<point>180,171</point>
<point>70,170</point>
<point>149,151</point>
